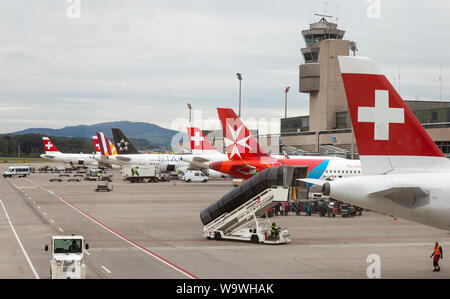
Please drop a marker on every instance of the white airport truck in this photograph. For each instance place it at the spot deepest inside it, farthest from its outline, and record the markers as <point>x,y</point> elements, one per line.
<point>20,171</point>
<point>140,173</point>
<point>67,260</point>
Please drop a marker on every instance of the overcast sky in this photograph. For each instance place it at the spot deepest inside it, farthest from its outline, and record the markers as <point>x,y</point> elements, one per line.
<point>144,60</point>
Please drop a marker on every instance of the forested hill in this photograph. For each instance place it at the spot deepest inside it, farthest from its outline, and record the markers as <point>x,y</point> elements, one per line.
<point>154,134</point>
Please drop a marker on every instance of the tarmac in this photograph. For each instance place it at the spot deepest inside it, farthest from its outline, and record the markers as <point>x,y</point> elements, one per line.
<point>153,230</point>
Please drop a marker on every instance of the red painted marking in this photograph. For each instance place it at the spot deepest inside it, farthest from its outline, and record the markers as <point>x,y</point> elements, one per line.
<point>119,235</point>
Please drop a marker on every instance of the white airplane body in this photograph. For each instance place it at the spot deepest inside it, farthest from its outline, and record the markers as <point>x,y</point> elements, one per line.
<point>204,153</point>
<point>166,162</point>
<point>53,154</point>
<point>405,173</point>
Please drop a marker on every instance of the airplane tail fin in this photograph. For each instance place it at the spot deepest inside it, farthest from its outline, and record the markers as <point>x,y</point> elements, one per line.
<point>96,145</point>
<point>49,147</point>
<point>388,135</point>
<point>107,148</point>
<point>199,143</point>
<point>238,140</point>
<point>124,145</point>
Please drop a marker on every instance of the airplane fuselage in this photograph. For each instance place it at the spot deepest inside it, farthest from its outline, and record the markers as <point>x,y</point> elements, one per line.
<point>421,198</point>
<point>330,168</point>
<point>76,159</point>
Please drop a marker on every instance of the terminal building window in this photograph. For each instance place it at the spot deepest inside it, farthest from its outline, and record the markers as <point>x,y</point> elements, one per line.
<point>295,124</point>
<point>341,120</point>
<point>444,146</point>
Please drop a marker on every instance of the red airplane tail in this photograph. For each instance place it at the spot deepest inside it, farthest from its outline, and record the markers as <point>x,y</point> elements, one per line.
<point>238,140</point>
<point>49,147</point>
<point>388,135</point>
<point>96,145</point>
<point>199,143</point>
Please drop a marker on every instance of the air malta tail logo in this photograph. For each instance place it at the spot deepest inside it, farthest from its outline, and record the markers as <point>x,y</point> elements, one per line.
<point>381,115</point>
<point>236,140</point>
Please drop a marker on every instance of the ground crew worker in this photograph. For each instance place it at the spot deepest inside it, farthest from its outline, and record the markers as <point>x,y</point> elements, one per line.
<point>437,253</point>
<point>74,247</point>
<point>275,229</point>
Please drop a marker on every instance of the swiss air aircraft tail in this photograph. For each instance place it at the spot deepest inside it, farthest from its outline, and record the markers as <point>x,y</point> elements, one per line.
<point>199,143</point>
<point>96,145</point>
<point>238,140</point>
<point>124,145</point>
<point>107,148</point>
<point>49,147</point>
<point>388,135</point>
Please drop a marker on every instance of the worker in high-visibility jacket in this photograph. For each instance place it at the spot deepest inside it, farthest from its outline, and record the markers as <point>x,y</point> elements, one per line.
<point>275,229</point>
<point>437,253</point>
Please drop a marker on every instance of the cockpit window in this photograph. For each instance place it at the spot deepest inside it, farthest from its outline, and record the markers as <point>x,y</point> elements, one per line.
<point>67,246</point>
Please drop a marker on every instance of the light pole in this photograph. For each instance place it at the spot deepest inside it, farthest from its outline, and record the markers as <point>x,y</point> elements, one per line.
<point>285,101</point>
<point>190,109</point>
<point>239,76</point>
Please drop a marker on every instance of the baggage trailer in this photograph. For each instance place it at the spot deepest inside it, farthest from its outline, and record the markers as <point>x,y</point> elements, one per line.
<point>238,214</point>
<point>140,173</point>
<point>67,261</point>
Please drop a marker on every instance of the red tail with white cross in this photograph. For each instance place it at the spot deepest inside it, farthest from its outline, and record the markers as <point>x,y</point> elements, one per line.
<point>199,143</point>
<point>382,122</point>
<point>49,147</point>
<point>96,145</point>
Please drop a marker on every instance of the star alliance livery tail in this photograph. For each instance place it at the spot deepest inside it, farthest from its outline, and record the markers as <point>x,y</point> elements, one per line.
<point>106,147</point>
<point>49,147</point>
<point>124,145</point>
<point>388,135</point>
<point>238,140</point>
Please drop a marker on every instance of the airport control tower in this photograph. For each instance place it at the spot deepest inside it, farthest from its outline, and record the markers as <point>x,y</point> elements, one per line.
<point>320,75</point>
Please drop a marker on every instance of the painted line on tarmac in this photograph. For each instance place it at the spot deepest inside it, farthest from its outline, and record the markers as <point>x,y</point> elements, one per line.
<point>145,250</point>
<point>106,269</point>
<point>20,243</point>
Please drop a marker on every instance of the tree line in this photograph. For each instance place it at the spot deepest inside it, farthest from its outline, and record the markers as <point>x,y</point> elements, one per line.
<point>31,145</point>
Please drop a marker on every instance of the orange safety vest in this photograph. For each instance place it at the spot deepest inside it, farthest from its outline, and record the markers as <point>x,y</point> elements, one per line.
<point>437,250</point>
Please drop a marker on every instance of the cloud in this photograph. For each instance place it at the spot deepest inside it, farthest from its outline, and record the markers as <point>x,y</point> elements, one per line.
<point>144,60</point>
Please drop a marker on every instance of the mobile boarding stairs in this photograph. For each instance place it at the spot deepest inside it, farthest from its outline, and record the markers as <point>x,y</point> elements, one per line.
<point>237,215</point>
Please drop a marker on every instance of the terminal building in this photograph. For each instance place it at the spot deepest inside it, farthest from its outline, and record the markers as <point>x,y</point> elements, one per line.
<point>327,128</point>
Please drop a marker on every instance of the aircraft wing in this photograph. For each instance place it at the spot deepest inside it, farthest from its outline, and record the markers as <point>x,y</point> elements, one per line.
<point>122,158</point>
<point>48,156</point>
<point>410,197</point>
<point>313,181</point>
<point>198,165</point>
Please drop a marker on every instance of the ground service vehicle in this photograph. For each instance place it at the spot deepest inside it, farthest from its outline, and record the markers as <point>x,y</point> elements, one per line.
<point>103,184</point>
<point>67,260</point>
<point>236,216</point>
<point>92,175</point>
<point>20,171</point>
<point>140,173</point>
<point>194,176</point>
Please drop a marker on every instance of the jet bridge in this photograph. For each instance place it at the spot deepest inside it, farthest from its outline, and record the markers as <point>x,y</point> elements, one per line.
<point>237,215</point>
